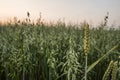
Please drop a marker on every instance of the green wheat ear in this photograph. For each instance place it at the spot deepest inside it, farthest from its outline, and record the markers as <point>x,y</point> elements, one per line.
<point>86,39</point>
<point>114,71</point>
<point>108,71</point>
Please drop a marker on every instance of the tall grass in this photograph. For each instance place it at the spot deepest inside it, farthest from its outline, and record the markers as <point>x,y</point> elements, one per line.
<point>86,46</point>
<point>55,52</point>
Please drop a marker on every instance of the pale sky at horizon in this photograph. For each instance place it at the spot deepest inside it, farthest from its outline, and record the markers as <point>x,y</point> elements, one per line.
<point>92,11</point>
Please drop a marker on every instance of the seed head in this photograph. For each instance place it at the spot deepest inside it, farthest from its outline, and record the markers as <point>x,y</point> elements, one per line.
<point>86,38</point>
<point>114,71</point>
<point>108,71</point>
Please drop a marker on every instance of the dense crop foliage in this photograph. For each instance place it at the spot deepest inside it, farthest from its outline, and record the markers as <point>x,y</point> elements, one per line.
<point>55,52</point>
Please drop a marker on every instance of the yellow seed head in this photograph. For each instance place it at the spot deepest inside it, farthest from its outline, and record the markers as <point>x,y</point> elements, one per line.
<point>108,71</point>
<point>86,38</point>
<point>114,71</point>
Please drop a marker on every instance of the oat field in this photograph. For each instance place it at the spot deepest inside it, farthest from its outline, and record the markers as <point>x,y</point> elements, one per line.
<point>56,52</point>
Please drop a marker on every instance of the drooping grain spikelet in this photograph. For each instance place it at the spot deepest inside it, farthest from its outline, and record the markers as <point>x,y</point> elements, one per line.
<point>114,71</point>
<point>86,39</point>
<point>107,72</point>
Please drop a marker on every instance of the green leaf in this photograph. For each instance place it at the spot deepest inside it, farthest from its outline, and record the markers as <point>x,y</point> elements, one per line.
<point>100,59</point>
<point>104,56</point>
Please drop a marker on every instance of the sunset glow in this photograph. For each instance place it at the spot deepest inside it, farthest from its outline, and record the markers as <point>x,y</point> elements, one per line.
<point>71,10</point>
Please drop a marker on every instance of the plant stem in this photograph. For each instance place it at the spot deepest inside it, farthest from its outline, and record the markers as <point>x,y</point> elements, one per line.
<point>86,67</point>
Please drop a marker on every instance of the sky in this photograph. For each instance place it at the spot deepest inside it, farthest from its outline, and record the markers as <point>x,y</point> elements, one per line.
<point>93,11</point>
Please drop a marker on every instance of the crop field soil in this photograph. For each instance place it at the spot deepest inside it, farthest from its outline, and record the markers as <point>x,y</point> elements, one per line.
<point>58,52</point>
